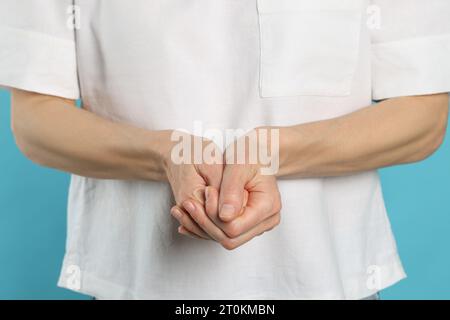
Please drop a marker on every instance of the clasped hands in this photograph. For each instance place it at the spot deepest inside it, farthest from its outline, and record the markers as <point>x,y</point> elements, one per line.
<point>225,201</point>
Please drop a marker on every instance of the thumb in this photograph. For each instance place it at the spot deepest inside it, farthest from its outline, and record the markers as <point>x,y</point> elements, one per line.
<point>231,195</point>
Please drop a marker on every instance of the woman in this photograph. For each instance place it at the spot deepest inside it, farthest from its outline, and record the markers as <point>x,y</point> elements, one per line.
<point>300,74</point>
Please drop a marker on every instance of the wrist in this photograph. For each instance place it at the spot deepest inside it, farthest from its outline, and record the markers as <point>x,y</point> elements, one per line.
<point>159,150</point>
<point>290,143</point>
<point>167,140</point>
<point>269,149</point>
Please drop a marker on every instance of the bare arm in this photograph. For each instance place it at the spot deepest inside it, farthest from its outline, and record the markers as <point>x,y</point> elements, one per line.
<point>52,132</point>
<point>395,131</point>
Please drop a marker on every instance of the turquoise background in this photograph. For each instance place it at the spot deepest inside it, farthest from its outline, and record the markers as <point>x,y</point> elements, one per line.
<point>33,222</point>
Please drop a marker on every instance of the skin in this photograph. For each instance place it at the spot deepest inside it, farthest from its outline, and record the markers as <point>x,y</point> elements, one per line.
<point>395,131</point>
<point>229,203</point>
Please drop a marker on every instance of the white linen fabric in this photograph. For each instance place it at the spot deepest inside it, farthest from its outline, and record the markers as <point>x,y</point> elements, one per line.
<point>165,64</point>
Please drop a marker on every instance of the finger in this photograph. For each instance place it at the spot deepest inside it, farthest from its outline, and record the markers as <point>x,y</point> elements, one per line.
<point>187,222</point>
<point>231,196</point>
<point>212,207</point>
<point>199,195</point>
<point>197,212</point>
<point>182,230</point>
<point>213,175</point>
<point>260,207</point>
<point>245,198</point>
<point>266,225</point>
<point>212,202</point>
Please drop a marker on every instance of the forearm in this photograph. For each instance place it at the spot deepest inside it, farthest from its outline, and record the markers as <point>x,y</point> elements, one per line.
<point>392,132</point>
<point>54,133</point>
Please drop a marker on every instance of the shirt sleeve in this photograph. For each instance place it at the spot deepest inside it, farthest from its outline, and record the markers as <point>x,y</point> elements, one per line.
<point>37,47</point>
<point>410,48</point>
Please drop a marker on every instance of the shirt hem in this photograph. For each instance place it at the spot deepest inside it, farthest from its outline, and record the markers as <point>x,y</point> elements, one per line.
<point>95,286</point>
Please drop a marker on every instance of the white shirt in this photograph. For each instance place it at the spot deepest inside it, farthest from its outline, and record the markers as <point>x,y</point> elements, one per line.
<point>164,64</point>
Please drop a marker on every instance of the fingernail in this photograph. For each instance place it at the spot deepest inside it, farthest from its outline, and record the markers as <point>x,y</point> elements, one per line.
<point>227,211</point>
<point>189,206</point>
<point>177,214</point>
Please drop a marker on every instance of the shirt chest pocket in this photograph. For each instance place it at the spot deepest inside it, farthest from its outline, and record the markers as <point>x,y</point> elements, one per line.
<point>308,47</point>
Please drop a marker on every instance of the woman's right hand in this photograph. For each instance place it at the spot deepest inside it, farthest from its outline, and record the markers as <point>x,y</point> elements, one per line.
<point>190,166</point>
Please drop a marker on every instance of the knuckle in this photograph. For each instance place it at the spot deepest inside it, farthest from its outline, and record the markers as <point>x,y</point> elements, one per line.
<point>183,220</point>
<point>200,220</point>
<point>262,232</point>
<point>210,212</point>
<point>267,206</point>
<point>278,206</point>
<point>229,244</point>
<point>231,196</point>
<point>277,220</point>
<point>232,230</point>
